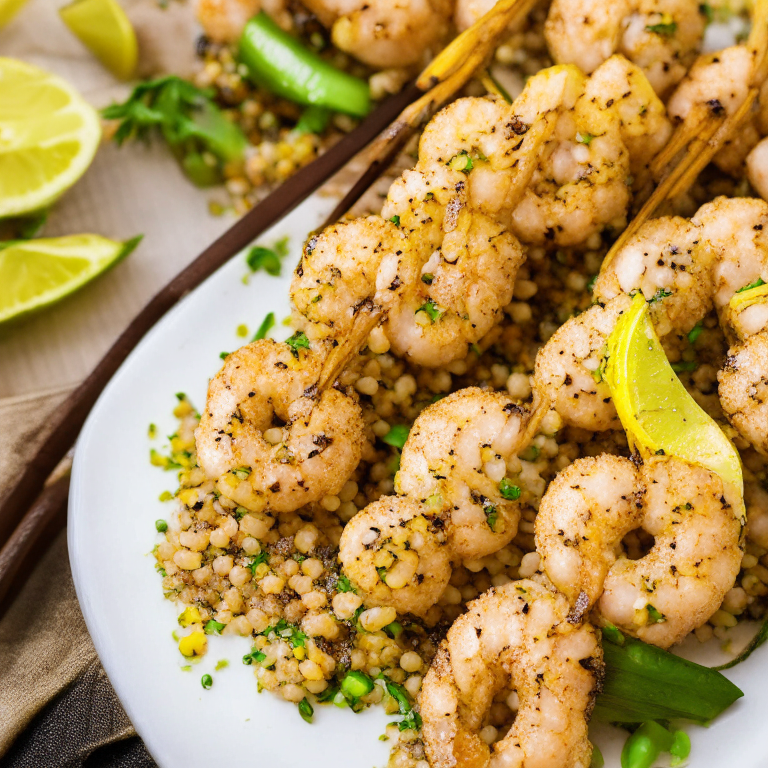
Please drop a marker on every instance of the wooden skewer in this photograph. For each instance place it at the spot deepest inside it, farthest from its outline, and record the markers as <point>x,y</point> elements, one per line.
<point>441,79</point>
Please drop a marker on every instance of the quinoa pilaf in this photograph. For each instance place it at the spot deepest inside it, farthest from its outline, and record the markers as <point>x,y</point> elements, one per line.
<point>277,579</point>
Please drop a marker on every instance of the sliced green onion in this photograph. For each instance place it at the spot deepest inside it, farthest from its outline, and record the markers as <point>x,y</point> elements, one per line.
<point>298,341</point>
<point>213,627</point>
<point>305,710</point>
<point>206,681</point>
<point>161,526</point>
<point>397,435</point>
<point>266,326</point>
<point>356,684</point>
<point>279,62</point>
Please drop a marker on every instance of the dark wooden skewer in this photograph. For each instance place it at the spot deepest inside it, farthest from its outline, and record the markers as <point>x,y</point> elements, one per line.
<point>292,192</point>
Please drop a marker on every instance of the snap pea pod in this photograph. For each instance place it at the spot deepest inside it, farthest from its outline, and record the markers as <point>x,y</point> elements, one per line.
<point>282,64</point>
<point>644,683</point>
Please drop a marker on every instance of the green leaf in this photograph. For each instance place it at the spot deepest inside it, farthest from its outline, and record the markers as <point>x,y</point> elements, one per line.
<point>397,435</point>
<point>643,682</point>
<point>298,341</point>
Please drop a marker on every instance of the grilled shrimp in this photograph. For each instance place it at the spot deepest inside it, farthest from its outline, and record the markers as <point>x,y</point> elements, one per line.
<point>670,262</point>
<point>384,33</point>
<point>743,389</point>
<point>460,486</point>
<point>661,597</point>
<point>659,36</point>
<point>380,33</point>
<point>268,437</point>
<point>513,637</point>
<point>396,552</point>
<point>223,21</point>
<point>567,368</point>
<point>460,453</point>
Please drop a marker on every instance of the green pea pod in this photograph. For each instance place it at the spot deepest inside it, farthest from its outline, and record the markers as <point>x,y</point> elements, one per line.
<point>646,683</point>
<point>281,63</point>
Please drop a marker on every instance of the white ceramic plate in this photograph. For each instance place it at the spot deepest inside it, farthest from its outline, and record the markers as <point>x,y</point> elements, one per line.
<point>113,507</point>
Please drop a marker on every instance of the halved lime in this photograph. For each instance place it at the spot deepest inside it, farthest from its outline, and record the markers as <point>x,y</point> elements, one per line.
<point>48,137</point>
<point>37,273</point>
<point>103,28</point>
<point>8,9</point>
<point>655,408</point>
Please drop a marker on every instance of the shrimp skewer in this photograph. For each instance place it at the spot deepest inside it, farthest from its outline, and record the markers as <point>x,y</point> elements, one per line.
<point>696,556</point>
<point>515,637</point>
<point>459,497</point>
<point>552,168</point>
<point>274,434</point>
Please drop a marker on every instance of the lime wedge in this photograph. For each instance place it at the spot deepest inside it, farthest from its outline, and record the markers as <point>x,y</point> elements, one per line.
<point>37,273</point>
<point>8,9</point>
<point>104,29</point>
<point>656,410</point>
<point>48,137</point>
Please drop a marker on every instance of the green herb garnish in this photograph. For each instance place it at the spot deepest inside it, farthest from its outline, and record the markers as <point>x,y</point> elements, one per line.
<point>397,435</point>
<point>749,287</point>
<point>395,220</point>
<point>665,28</point>
<point>206,681</point>
<point>432,309</point>
<point>213,627</point>
<point>509,490</point>
<point>298,341</point>
<point>305,710</point>
<point>461,162</point>
<point>161,526</point>
<point>266,326</point>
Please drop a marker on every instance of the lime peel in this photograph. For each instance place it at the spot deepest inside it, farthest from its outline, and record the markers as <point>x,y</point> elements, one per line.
<point>657,412</point>
<point>37,273</point>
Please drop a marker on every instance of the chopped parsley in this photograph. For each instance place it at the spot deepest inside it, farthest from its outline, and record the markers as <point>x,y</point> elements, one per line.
<point>262,557</point>
<point>397,435</point>
<point>491,516</point>
<point>412,719</point>
<point>266,326</point>
<point>509,490</point>
<point>213,627</point>
<point>432,309</point>
<point>344,584</point>
<point>664,28</point>
<point>749,287</point>
<point>662,293</point>
<point>255,655</point>
<point>298,341</point>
